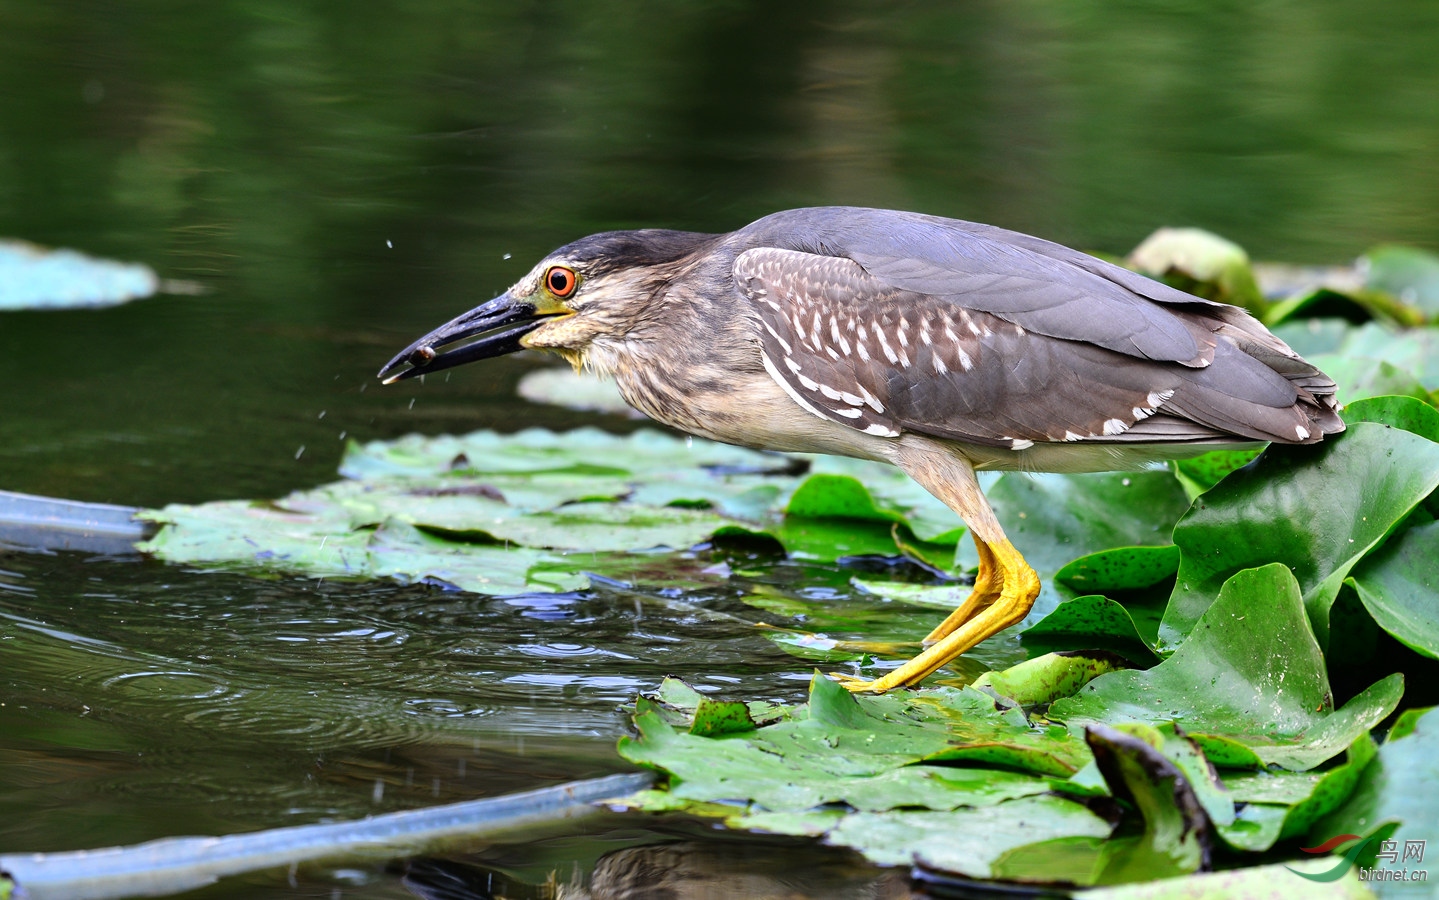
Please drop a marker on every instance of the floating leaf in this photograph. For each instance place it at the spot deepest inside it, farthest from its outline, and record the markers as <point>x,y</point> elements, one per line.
<point>1398,584</point>
<point>1399,787</point>
<point>1201,263</point>
<point>1250,673</point>
<point>1414,416</point>
<point>1412,350</point>
<point>33,277</point>
<point>584,451</point>
<point>1359,377</point>
<point>1177,834</point>
<point>572,390</point>
<point>1047,678</point>
<point>1273,882</point>
<point>873,754</point>
<point>1053,519</point>
<point>1200,473</point>
<point>1121,569</point>
<point>966,841</point>
<point>1408,273</point>
<point>838,749</point>
<point>1283,805</point>
<point>1358,485</point>
<point>1090,621</point>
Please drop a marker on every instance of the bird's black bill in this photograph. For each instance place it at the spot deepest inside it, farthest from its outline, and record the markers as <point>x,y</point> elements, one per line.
<point>496,329</point>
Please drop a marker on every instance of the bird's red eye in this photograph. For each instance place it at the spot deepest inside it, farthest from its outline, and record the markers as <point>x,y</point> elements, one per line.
<point>561,281</point>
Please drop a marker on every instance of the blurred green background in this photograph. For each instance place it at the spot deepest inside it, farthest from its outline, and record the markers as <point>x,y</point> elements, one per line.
<point>341,178</point>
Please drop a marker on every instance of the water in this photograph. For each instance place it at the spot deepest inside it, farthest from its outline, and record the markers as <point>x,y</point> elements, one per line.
<point>339,183</point>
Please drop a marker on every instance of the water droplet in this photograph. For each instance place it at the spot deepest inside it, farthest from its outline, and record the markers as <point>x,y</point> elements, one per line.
<point>301,452</point>
<point>390,245</point>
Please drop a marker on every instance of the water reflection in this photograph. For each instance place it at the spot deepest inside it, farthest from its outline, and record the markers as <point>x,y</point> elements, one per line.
<point>285,698</point>
<point>692,869</point>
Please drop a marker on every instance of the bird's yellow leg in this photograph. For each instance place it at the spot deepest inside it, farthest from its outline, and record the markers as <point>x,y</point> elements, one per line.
<point>986,590</point>
<point>1005,588</point>
<point>1018,586</point>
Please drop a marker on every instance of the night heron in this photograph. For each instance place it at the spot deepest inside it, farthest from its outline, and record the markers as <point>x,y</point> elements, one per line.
<point>941,346</point>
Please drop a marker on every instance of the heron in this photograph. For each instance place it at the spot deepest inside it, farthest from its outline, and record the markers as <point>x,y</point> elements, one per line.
<point>941,346</point>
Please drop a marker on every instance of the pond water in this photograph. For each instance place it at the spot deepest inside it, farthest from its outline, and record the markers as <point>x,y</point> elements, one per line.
<point>336,181</point>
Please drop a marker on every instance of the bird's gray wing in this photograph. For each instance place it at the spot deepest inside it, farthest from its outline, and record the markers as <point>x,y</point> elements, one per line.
<point>856,349</point>
<point>1044,287</point>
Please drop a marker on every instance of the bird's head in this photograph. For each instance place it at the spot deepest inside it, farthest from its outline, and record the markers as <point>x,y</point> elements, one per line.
<point>598,289</point>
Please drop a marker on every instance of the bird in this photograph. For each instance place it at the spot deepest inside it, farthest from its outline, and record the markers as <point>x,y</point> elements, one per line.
<point>941,346</point>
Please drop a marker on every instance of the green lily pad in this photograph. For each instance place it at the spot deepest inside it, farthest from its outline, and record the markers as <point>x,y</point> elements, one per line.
<point>826,540</point>
<point>835,497</point>
<point>1121,569</point>
<point>1414,416</point>
<point>1201,263</point>
<point>1408,273</point>
<point>1047,678</point>
<point>1359,377</point>
<point>1411,350</point>
<point>1272,882</point>
<point>1091,621</point>
<point>1313,336</point>
<point>896,493</point>
<point>1177,836</point>
<point>587,451</point>
<point>966,840</point>
<point>1407,721</point>
<point>867,752</point>
<point>1348,302</point>
<point>1165,779</point>
<point>837,750</point>
<point>1053,519</point>
<point>572,390</point>
<point>1358,485</point>
<point>1200,473</point>
<point>1251,672</point>
<point>1279,806</point>
<point>266,537</point>
<point>1398,584</point>
<point>1399,789</point>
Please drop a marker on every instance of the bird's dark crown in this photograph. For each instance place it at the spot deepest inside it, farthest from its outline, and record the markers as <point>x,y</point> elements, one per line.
<point>611,251</point>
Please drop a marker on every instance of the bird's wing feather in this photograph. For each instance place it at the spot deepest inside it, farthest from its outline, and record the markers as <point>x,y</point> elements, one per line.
<point>851,347</point>
<point>1041,286</point>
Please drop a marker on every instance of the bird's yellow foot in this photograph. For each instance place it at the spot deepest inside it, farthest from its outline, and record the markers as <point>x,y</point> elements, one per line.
<point>1003,594</point>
